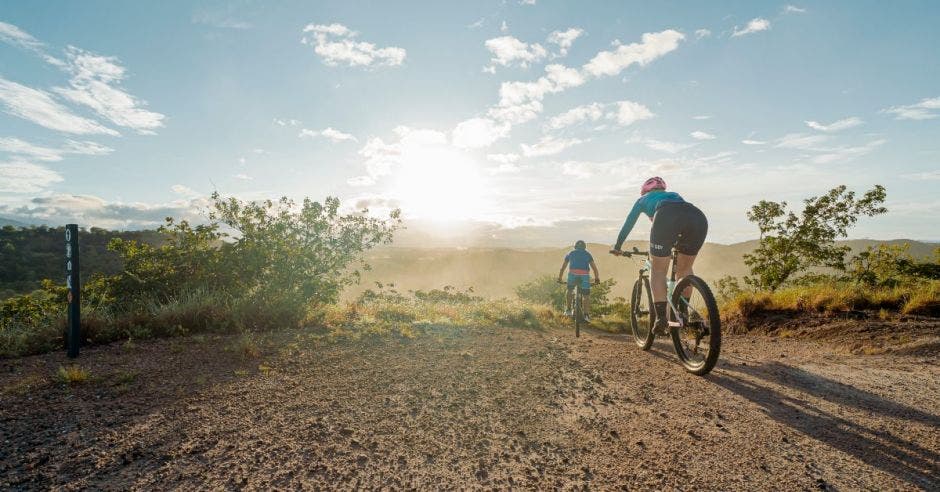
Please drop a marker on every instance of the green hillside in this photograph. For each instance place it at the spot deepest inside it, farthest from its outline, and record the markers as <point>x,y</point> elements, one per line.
<point>495,272</point>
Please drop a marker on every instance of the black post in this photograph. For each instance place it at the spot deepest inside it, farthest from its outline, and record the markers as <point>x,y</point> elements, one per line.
<point>74,283</point>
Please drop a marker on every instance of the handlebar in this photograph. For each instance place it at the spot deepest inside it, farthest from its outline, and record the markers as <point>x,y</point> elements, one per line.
<point>628,254</point>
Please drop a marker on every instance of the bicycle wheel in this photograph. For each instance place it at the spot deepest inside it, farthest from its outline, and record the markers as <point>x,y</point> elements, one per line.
<point>641,313</point>
<point>578,313</point>
<point>698,343</point>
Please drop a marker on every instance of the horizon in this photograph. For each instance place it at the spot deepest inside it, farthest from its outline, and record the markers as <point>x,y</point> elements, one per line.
<point>517,123</point>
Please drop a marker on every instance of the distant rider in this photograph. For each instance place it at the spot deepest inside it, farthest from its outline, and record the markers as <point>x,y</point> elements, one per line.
<point>675,222</point>
<point>579,259</point>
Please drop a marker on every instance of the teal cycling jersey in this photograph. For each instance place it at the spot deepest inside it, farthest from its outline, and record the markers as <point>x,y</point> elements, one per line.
<point>646,204</point>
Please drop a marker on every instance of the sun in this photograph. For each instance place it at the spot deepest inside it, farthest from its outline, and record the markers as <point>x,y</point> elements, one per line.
<point>439,183</point>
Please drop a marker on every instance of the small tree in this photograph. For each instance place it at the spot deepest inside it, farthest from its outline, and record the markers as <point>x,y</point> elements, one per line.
<point>791,244</point>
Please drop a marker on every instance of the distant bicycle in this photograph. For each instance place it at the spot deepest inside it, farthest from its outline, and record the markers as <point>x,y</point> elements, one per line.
<point>694,324</point>
<point>577,310</point>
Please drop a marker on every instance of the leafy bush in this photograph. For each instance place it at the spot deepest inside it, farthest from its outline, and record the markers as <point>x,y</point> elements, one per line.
<point>274,264</point>
<point>892,265</point>
<point>546,290</point>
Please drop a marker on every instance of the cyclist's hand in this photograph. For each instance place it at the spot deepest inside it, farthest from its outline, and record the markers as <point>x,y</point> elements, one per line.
<point>597,280</point>
<point>559,280</point>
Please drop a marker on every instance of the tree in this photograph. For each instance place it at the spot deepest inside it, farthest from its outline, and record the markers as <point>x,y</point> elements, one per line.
<point>791,244</point>
<point>303,253</point>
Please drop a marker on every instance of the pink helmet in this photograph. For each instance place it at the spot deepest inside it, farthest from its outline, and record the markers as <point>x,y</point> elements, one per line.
<point>654,183</point>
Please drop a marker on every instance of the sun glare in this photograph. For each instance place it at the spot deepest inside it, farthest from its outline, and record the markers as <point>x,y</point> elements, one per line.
<point>439,183</point>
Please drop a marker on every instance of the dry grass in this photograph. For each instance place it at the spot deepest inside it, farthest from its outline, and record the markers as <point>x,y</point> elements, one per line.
<point>918,298</point>
<point>73,374</point>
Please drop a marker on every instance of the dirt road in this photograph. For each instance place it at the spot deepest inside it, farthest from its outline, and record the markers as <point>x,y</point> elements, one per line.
<point>480,409</point>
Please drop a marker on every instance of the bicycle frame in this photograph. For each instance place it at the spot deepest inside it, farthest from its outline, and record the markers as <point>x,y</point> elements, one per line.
<point>646,270</point>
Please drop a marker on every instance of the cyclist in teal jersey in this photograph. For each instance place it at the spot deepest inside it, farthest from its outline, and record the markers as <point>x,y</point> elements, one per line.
<point>579,260</point>
<point>675,223</point>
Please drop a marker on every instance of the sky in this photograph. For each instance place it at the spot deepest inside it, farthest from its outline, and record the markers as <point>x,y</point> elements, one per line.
<point>511,123</point>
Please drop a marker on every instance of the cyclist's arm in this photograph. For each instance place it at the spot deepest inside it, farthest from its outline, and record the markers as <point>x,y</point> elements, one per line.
<point>597,276</point>
<point>563,267</point>
<point>628,225</point>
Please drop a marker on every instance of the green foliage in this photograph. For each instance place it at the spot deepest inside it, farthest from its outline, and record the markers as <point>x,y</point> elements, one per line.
<point>892,265</point>
<point>546,290</point>
<point>30,254</point>
<point>302,254</point>
<point>278,261</point>
<point>791,244</point>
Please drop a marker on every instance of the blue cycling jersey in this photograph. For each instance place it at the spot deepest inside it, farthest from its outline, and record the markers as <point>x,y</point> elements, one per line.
<point>647,204</point>
<point>578,261</point>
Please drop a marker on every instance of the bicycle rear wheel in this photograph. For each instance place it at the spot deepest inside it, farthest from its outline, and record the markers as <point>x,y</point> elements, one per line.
<point>578,312</point>
<point>698,342</point>
<point>641,313</point>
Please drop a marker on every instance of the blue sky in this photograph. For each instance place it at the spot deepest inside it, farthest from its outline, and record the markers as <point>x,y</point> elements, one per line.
<point>507,122</point>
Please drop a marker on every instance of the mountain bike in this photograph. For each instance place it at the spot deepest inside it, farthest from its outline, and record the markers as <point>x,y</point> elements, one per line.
<point>577,312</point>
<point>694,322</point>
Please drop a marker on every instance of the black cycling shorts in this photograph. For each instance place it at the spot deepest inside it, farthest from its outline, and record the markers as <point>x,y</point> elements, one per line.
<point>677,224</point>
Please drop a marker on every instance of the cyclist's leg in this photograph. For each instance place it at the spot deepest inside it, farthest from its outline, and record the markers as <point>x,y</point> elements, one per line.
<point>586,294</point>
<point>693,231</point>
<point>569,294</point>
<point>663,235</point>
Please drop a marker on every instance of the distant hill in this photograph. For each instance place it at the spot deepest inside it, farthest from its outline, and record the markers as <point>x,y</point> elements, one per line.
<point>10,222</point>
<point>495,272</point>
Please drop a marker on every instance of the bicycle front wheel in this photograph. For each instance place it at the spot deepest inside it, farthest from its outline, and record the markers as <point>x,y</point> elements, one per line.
<point>698,342</point>
<point>641,313</point>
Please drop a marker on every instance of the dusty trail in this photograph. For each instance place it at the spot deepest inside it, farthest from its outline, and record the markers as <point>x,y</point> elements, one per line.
<point>479,408</point>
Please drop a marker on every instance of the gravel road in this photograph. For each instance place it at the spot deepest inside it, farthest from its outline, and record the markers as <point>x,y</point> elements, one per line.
<point>487,408</point>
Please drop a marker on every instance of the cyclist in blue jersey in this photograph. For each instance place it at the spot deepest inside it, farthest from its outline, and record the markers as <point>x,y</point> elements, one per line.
<point>675,223</point>
<point>579,260</point>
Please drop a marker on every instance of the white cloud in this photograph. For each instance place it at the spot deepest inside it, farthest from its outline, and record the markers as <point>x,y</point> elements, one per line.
<point>478,132</point>
<point>549,145</point>
<point>93,211</point>
<point>243,177</point>
<point>587,112</point>
<point>183,190</point>
<point>660,145</point>
<point>843,154</point>
<point>18,37</point>
<point>19,147</point>
<point>651,47</point>
<point>96,82</point>
<point>748,141</point>
<point>923,110</point>
<point>503,27</point>
<point>508,51</point>
<point>792,9</point>
<point>924,176</point>
<point>361,181</point>
<point>702,117</point>
<point>526,2</point>
<point>19,176</point>
<point>702,33</point>
<point>755,25</point>
<point>505,168</point>
<point>478,24</point>
<point>579,170</point>
<point>382,158</point>
<point>329,133</point>
<point>700,135</point>
<point>564,39</point>
<point>291,122</point>
<point>629,112</point>
<point>509,158</point>
<point>219,19</point>
<point>835,126</point>
<point>38,107</point>
<point>801,141</point>
<point>336,44</point>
